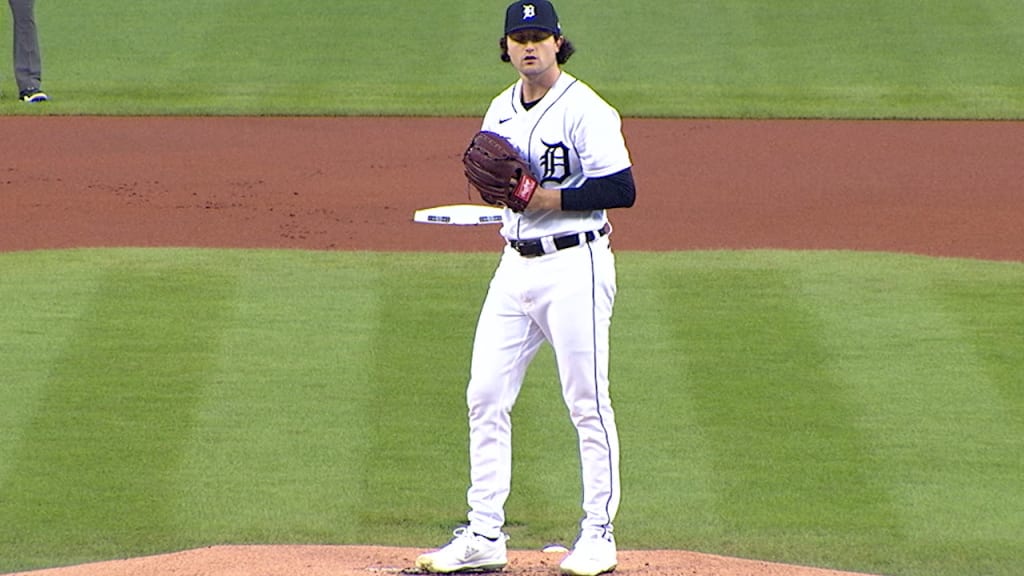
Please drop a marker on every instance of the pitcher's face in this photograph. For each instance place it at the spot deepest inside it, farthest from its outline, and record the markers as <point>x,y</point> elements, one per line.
<point>533,52</point>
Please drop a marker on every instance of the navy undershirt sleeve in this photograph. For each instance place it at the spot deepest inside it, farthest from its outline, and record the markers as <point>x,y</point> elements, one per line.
<point>613,191</point>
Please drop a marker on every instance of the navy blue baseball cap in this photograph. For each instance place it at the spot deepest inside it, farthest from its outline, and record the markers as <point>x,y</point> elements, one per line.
<point>538,14</point>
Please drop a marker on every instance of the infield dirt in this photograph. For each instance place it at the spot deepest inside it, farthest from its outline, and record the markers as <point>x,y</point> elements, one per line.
<point>938,188</point>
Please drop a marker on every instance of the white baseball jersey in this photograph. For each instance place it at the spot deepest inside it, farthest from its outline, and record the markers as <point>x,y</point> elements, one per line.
<point>570,135</point>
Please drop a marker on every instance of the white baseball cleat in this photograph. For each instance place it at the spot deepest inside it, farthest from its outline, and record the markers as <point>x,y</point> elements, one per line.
<point>591,556</point>
<point>466,551</point>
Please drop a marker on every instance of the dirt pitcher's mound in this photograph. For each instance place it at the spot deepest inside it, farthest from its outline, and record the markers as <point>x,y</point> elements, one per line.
<point>363,560</point>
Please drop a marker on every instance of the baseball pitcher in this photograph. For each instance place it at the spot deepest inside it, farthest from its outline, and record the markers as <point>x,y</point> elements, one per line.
<point>552,153</point>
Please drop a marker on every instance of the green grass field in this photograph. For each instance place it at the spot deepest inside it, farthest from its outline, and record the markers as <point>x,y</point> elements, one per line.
<point>731,58</point>
<point>860,411</point>
<point>856,411</point>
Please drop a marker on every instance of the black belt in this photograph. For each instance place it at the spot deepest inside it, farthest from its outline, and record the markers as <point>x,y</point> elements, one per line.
<point>533,248</point>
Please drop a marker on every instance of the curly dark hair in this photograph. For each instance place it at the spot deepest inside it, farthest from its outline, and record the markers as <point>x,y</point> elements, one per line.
<point>562,57</point>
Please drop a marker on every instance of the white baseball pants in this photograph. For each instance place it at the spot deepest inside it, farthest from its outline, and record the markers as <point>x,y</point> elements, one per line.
<point>565,298</point>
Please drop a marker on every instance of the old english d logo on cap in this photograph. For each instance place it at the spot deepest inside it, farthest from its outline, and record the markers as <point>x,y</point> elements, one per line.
<point>532,14</point>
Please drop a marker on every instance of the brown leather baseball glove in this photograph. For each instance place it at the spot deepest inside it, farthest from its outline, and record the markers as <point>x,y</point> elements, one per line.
<point>498,173</point>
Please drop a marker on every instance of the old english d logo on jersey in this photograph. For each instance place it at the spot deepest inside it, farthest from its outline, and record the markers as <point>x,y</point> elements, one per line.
<point>555,161</point>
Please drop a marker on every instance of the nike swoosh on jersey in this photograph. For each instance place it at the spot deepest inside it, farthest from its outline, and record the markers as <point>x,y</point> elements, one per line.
<point>503,120</point>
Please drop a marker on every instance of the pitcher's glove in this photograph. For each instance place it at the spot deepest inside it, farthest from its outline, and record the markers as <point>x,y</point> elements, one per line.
<point>498,173</point>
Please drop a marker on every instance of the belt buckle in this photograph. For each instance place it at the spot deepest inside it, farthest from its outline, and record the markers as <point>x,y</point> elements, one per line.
<point>527,248</point>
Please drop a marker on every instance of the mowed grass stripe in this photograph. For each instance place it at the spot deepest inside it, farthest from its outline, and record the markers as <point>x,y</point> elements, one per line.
<point>94,468</point>
<point>990,309</point>
<point>277,453</point>
<point>669,482</point>
<point>988,513</point>
<point>37,321</point>
<point>783,440</point>
<point>938,421</point>
<point>415,465</point>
